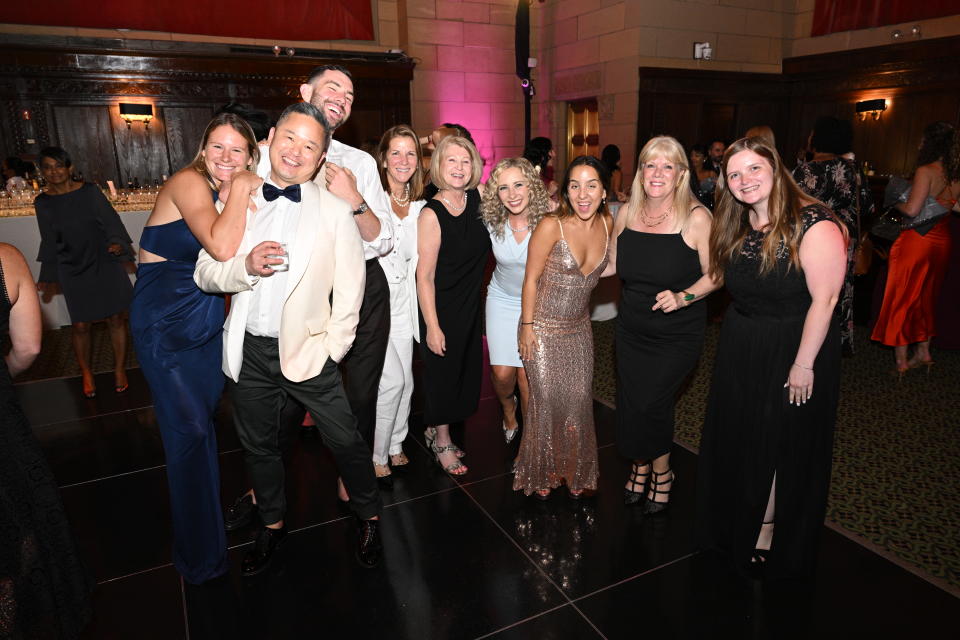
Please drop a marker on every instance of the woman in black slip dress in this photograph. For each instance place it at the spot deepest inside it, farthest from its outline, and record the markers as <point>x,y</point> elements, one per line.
<point>765,454</point>
<point>660,252</point>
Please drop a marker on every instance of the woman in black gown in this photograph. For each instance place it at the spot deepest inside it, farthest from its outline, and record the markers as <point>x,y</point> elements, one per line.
<point>453,245</point>
<point>83,245</point>
<point>765,455</point>
<point>44,589</point>
<point>660,253</point>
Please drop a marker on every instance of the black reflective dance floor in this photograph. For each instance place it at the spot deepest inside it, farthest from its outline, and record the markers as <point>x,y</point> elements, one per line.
<point>466,558</point>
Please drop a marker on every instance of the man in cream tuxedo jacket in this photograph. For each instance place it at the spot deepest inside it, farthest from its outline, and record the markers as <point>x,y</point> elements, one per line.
<point>288,328</point>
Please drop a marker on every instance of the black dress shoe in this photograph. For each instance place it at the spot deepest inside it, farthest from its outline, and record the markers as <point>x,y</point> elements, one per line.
<point>258,560</point>
<point>369,547</point>
<point>240,513</point>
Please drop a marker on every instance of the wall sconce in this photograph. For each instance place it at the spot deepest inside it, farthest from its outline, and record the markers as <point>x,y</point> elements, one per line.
<point>871,107</point>
<point>136,112</point>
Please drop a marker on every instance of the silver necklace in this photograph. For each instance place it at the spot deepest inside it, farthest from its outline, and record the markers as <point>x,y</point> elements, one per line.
<point>520,230</point>
<point>453,207</point>
<point>405,200</point>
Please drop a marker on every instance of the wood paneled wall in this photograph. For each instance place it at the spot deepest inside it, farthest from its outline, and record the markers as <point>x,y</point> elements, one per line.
<point>920,81</point>
<point>73,96</point>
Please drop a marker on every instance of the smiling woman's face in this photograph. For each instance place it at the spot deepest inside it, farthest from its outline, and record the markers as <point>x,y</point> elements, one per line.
<point>749,177</point>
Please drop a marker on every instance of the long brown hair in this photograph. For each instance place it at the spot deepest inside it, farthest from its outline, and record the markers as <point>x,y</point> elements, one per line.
<point>240,126</point>
<point>731,218</point>
<point>416,180</point>
<point>566,208</point>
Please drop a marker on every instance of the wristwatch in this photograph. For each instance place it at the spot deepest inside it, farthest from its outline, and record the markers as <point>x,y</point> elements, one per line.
<point>361,209</point>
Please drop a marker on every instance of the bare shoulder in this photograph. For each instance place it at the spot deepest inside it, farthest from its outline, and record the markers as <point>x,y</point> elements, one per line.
<point>700,217</point>
<point>13,261</point>
<point>548,226</point>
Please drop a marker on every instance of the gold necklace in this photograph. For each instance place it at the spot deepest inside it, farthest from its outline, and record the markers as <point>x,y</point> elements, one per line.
<point>654,220</point>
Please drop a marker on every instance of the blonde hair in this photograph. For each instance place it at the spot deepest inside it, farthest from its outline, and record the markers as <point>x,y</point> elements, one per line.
<point>683,198</point>
<point>239,125</point>
<point>416,180</point>
<point>493,212</point>
<point>476,164</point>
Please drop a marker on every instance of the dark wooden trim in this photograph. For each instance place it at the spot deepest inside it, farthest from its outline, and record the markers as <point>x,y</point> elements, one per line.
<point>877,59</point>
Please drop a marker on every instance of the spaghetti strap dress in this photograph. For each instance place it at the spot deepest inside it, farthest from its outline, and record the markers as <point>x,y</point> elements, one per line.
<point>559,439</point>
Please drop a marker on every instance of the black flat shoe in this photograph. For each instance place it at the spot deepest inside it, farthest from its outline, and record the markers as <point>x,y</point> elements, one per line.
<point>240,513</point>
<point>650,505</point>
<point>264,548</point>
<point>369,545</point>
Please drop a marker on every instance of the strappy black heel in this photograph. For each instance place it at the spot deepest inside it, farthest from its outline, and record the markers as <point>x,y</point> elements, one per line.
<point>638,483</point>
<point>650,505</point>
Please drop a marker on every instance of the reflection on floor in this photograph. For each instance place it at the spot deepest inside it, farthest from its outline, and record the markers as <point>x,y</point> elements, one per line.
<point>465,558</point>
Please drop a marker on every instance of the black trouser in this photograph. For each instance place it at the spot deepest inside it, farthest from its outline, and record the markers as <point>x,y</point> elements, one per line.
<point>258,398</point>
<point>363,364</point>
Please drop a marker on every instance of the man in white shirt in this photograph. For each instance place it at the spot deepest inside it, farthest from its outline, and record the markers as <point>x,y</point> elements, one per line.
<point>352,175</point>
<point>287,329</point>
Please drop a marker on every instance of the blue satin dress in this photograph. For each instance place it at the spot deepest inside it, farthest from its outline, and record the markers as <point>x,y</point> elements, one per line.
<point>177,335</point>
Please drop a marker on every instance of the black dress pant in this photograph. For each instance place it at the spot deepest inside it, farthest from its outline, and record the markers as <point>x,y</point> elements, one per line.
<point>258,398</point>
<point>363,364</point>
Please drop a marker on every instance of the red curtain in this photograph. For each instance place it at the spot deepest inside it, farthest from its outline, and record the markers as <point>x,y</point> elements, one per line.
<point>277,20</point>
<point>831,16</point>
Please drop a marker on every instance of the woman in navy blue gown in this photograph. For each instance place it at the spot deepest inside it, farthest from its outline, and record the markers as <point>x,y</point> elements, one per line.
<point>177,331</point>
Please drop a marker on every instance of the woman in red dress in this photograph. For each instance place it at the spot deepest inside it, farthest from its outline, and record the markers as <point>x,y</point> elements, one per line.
<point>918,258</point>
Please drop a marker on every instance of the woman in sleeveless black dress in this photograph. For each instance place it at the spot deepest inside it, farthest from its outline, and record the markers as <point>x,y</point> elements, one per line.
<point>661,256</point>
<point>453,245</point>
<point>765,454</point>
<point>44,588</point>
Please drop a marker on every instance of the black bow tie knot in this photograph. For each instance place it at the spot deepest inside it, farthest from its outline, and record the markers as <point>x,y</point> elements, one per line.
<point>271,193</point>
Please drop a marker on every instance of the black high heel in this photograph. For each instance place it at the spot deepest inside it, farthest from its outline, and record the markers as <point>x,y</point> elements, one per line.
<point>633,496</point>
<point>650,505</point>
<point>758,559</point>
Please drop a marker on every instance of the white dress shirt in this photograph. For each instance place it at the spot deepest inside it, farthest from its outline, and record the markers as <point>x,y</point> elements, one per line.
<point>276,221</point>
<point>364,168</point>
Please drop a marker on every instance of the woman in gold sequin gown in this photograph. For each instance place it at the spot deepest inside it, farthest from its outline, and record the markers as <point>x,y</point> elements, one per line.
<point>567,254</point>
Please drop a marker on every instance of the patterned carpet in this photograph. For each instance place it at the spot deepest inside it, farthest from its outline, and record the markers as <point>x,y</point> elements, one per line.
<point>896,458</point>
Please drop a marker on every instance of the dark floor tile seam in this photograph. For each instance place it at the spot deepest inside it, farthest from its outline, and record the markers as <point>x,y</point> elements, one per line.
<point>134,574</point>
<point>630,579</point>
<point>893,559</point>
<point>92,417</point>
<point>526,620</point>
<point>74,376</point>
<point>183,605</point>
<point>130,473</point>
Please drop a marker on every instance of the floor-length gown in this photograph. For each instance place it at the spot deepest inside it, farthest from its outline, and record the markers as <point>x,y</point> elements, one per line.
<point>44,588</point>
<point>177,332</point>
<point>559,439</point>
<point>656,351</point>
<point>916,267</point>
<point>452,382</point>
<point>751,432</point>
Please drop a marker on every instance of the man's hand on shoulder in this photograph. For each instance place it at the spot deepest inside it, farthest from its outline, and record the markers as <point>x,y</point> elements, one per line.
<point>342,183</point>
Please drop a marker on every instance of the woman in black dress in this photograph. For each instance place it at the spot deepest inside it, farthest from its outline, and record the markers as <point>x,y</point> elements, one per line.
<point>44,588</point>
<point>660,253</point>
<point>765,454</point>
<point>452,244</point>
<point>83,246</point>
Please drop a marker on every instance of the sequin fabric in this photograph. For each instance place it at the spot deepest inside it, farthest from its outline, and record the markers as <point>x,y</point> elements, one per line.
<point>559,439</point>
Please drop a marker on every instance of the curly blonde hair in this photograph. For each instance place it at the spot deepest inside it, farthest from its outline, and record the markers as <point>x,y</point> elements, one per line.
<point>493,212</point>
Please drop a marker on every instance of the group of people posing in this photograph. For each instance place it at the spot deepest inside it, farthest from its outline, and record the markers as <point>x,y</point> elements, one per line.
<point>338,264</point>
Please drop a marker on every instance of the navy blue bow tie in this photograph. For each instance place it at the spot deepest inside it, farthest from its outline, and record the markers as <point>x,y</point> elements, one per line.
<point>271,193</point>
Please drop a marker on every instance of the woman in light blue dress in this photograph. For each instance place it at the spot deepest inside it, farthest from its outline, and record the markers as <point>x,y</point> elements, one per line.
<point>513,203</point>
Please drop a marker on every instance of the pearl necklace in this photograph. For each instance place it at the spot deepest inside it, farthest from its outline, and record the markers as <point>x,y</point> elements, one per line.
<point>405,200</point>
<point>455,208</point>
<point>655,220</point>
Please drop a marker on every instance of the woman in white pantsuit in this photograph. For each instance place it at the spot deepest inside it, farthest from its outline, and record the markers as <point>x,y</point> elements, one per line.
<point>398,157</point>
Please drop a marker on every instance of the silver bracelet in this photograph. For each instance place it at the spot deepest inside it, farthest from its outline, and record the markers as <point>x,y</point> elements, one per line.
<point>797,364</point>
